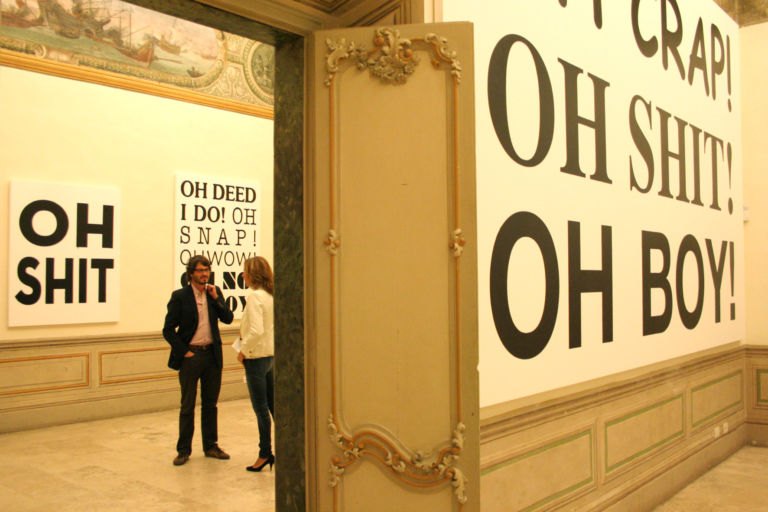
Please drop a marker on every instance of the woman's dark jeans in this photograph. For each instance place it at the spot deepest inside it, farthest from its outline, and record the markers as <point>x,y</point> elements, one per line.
<point>260,375</point>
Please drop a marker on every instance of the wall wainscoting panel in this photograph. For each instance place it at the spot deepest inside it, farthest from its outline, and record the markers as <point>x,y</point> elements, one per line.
<point>118,366</point>
<point>56,381</point>
<point>132,365</point>
<point>43,373</point>
<point>542,475</point>
<point>762,387</point>
<point>757,394</point>
<point>624,442</point>
<point>715,398</point>
<point>643,432</point>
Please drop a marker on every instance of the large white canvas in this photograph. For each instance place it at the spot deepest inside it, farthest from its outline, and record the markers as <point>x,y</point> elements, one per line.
<point>219,218</point>
<point>599,42</point>
<point>63,254</point>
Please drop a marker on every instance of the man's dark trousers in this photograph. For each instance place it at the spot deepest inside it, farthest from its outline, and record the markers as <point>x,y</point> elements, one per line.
<point>205,365</point>
<point>201,366</point>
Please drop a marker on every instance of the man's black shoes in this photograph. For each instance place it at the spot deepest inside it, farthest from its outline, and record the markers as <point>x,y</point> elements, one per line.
<point>181,459</point>
<point>216,452</point>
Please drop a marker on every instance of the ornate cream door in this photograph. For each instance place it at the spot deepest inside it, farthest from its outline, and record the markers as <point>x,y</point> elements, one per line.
<point>392,271</point>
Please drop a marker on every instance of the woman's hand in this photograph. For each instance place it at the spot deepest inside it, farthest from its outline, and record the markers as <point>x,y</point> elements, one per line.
<point>240,357</point>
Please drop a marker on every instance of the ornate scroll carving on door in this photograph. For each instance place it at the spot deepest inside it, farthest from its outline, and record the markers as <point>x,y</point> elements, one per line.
<point>393,59</point>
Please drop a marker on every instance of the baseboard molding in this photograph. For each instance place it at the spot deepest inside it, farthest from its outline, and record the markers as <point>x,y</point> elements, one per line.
<point>757,434</point>
<point>93,409</point>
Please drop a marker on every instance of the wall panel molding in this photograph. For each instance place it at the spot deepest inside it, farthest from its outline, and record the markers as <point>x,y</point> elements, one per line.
<point>119,366</point>
<point>643,432</point>
<point>757,393</point>
<point>226,333</point>
<point>499,420</point>
<point>38,374</point>
<point>63,380</point>
<point>712,399</point>
<point>762,387</point>
<point>140,364</point>
<point>513,474</point>
<point>655,428</point>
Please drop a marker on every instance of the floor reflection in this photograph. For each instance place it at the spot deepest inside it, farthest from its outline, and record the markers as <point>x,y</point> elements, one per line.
<point>126,464</point>
<point>738,484</point>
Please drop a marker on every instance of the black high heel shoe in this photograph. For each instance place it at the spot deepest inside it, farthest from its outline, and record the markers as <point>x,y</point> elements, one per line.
<point>270,460</point>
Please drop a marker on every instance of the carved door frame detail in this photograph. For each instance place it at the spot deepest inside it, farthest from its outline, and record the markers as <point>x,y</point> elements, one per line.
<point>393,60</point>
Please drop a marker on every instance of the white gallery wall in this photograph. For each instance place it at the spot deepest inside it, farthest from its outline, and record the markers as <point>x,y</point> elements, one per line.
<point>609,182</point>
<point>73,133</point>
<point>754,41</point>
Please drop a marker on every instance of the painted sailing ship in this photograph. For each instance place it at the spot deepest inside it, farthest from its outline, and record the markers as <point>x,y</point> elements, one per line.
<point>168,46</point>
<point>81,20</point>
<point>21,16</point>
<point>144,54</point>
<point>120,38</point>
<point>194,72</point>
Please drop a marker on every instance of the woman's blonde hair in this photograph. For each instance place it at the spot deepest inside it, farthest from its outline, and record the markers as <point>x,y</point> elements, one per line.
<point>259,274</point>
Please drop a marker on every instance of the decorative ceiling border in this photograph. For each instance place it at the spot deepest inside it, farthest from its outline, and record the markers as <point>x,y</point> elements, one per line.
<point>393,60</point>
<point>142,50</point>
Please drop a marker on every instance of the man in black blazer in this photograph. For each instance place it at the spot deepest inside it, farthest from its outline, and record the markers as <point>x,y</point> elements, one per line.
<point>192,329</point>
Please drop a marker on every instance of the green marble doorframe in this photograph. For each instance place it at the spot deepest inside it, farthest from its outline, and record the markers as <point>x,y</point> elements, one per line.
<point>290,420</point>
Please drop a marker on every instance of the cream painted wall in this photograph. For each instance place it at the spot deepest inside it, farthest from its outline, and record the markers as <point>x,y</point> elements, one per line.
<point>754,72</point>
<point>65,131</point>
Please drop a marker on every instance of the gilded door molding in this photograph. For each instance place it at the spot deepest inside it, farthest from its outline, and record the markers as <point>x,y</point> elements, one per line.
<point>392,60</point>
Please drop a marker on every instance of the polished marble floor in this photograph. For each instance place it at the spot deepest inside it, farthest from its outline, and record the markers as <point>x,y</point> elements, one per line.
<point>738,484</point>
<point>124,464</point>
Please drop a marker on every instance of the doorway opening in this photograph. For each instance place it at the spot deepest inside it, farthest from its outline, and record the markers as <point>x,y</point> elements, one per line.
<point>290,421</point>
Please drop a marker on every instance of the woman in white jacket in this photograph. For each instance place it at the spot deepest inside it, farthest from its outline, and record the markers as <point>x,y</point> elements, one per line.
<point>257,332</point>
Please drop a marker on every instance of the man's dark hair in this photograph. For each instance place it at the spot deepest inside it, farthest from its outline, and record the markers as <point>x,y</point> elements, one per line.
<point>196,260</point>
